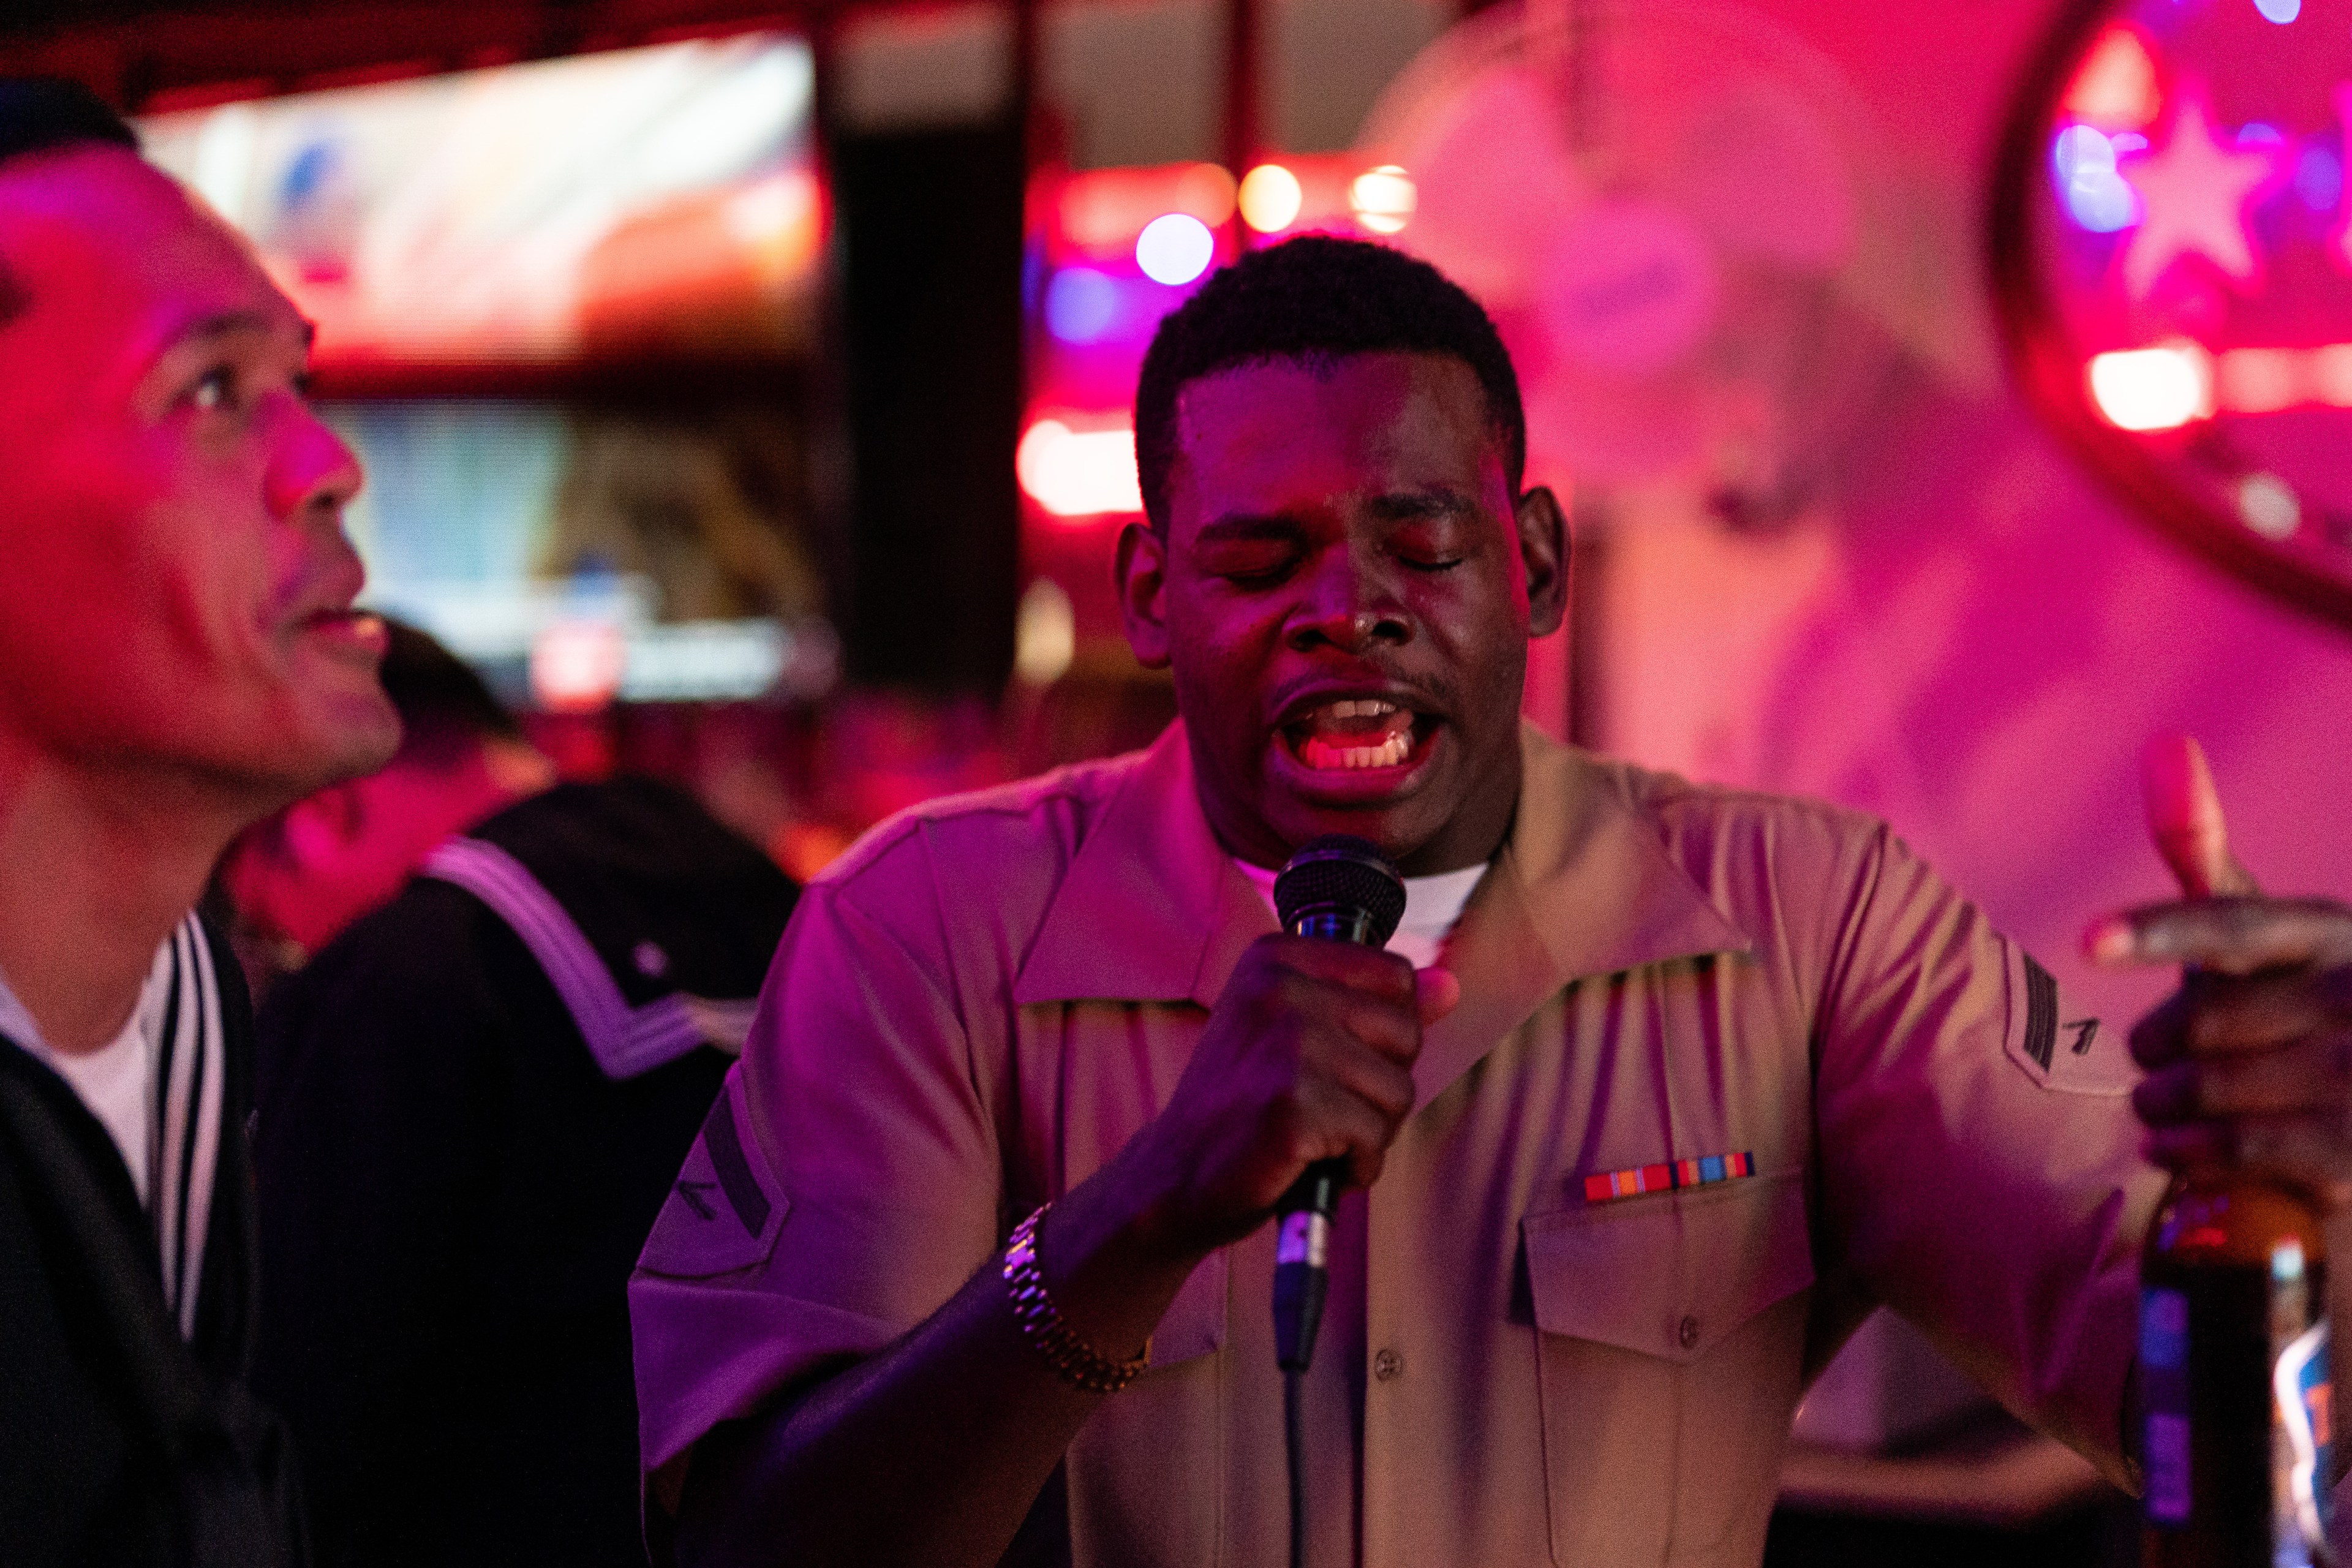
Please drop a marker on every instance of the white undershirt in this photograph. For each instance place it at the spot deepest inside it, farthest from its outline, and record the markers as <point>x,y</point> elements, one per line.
<point>1431,905</point>
<point>116,1082</point>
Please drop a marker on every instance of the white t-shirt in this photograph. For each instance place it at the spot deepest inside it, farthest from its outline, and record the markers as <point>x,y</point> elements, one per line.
<point>158,1090</point>
<point>116,1082</point>
<point>1431,905</point>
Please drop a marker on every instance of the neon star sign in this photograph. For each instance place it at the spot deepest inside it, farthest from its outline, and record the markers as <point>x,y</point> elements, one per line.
<point>2196,191</point>
<point>2171,247</point>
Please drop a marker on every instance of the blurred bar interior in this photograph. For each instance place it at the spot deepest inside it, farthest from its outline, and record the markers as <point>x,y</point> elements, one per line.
<point>743,389</point>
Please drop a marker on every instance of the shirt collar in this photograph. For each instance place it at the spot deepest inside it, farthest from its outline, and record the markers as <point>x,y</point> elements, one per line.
<point>1154,910</point>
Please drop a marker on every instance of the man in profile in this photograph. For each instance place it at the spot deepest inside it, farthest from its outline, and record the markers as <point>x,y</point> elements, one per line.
<point>179,657</point>
<point>520,998</point>
<point>1659,1091</point>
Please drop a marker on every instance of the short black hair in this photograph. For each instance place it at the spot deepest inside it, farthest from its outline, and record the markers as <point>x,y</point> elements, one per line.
<point>445,709</point>
<point>43,114</point>
<point>1318,297</point>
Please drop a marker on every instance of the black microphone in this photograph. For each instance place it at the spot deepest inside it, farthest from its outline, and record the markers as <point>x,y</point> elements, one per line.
<point>1341,889</point>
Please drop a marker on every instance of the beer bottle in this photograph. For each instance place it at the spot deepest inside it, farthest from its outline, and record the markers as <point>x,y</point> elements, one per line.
<point>2234,1370</point>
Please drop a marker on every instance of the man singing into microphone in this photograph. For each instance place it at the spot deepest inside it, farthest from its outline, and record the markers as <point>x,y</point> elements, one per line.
<point>971,1264</point>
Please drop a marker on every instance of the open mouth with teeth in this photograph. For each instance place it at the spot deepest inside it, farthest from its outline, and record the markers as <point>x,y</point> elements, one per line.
<point>1354,734</point>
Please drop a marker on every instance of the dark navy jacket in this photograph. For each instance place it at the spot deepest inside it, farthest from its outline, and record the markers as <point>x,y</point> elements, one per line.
<point>454,1191</point>
<point>123,1445</point>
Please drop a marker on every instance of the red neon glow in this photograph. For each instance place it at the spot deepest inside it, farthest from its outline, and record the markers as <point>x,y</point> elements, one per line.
<point>1079,473</point>
<point>2267,381</point>
<point>2166,387</point>
<point>2115,90</point>
<point>2153,389</point>
<point>1103,210</point>
<point>2196,190</point>
<point>2341,245</point>
<point>2259,381</point>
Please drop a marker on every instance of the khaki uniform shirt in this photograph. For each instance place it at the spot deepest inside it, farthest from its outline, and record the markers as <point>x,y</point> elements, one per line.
<point>988,995</point>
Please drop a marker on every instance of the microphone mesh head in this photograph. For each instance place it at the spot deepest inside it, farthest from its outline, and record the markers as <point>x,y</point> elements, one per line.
<point>1340,872</point>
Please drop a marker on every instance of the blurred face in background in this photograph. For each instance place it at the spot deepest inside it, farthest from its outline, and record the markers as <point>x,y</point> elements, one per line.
<point>176,602</point>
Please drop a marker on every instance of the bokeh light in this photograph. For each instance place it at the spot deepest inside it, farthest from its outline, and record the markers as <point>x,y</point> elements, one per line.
<point>2319,178</point>
<point>1081,305</point>
<point>576,666</point>
<point>1079,473</point>
<point>1044,634</point>
<point>1384,198</point>
<point>1174,248</point>
<point>2267,504</point>
<point>2116,87</point>
<point>2153,389</point>
<point>2280,11</point>
<point>1271,198</point>
<point>2096,195</point>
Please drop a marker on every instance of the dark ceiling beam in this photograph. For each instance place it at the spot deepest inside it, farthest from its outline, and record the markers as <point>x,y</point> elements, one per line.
<point>141,55</point>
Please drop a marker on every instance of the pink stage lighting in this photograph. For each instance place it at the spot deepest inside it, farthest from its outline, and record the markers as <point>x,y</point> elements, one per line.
<point>1077,474</point>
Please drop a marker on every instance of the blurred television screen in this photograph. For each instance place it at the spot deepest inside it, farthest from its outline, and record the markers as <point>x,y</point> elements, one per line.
<point>522,279</point>
<point>654,202</point>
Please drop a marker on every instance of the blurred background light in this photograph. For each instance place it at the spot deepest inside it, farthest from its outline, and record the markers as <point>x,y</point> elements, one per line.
<point>1174,248</point>
<point>576,666</point>
<point>1079,473</point>
<point>1383,199</point>
<point>1046,634</point>
<point>1102,210</point>
<point>2319,178</point>
<point>2153,389</point>
<point>2116,87</point>
<point>2083,161</point>
<point>2269,506</point>
<point>2280,11</point>
<point>1081,305</point>
<point>1271,198</point>
<point>2259,381</point>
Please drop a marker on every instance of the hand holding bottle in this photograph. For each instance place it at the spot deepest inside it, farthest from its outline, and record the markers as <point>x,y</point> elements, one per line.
<point>2249,1063</point>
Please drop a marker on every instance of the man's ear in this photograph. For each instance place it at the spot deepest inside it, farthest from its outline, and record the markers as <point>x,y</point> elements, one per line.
<point>1543,546</point>
<point>1142,574</point>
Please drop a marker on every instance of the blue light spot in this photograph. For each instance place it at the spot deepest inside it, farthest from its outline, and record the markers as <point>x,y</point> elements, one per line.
<point>2102,204</point>
<point>2280,11</point>
<point>2255,133</point>
<point>1081,305</point>
<point>2124,141</point>
<point>2096,197</point>
<point>2319,178</point>
<point>2079,150</point>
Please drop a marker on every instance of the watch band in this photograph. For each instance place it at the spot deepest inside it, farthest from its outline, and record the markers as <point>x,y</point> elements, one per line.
<point>1072,1359</point>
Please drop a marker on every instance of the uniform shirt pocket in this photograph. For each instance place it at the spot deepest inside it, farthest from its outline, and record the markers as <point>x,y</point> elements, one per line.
<point>1669,1350</point>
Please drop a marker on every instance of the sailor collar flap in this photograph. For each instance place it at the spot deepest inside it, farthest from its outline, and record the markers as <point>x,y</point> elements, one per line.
<point>1154,910</point>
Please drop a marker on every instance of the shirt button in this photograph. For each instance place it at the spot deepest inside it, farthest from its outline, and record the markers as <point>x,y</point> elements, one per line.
<point>1388,1365</point>
<point>1686,1333</point>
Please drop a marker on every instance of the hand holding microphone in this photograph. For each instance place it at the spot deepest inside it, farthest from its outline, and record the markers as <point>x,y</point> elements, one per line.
<point>1307,1056</point>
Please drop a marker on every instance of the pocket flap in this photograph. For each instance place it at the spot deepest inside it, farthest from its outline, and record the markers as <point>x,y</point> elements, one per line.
<point>1674,1275</point>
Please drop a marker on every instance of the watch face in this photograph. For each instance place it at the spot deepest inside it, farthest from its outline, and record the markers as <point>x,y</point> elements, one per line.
<point>2173,267</point>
